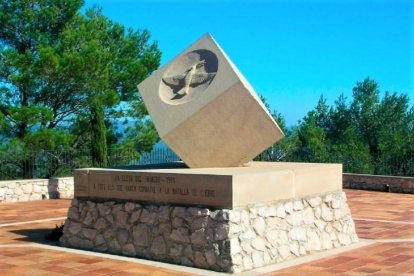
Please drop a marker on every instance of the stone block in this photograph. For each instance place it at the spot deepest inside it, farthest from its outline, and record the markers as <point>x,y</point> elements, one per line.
<point>206,111</point>
<point>257,182</point>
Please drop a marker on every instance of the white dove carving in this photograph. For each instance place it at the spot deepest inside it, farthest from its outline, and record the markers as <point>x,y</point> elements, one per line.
<point>191,77</point>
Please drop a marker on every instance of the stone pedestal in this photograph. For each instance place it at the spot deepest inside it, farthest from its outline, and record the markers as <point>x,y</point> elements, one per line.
<point>254,216</point>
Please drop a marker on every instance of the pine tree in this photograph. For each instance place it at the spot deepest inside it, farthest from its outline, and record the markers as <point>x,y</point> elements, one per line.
<point>63,68</point>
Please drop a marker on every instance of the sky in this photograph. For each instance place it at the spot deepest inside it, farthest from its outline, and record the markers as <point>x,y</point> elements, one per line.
<point>291,52</point>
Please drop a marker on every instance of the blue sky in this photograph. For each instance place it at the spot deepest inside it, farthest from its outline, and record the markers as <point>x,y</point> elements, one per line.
<point>290,51</point>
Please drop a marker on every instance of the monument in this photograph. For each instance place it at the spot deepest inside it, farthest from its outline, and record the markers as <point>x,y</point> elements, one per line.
<point>223,212</point>
<point>206,111</point>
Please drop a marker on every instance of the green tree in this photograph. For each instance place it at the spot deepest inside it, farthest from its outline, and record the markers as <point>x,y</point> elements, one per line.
<point>26,102</point>
<point>369,134</point>
<point>364,111</point>
<point>346,146</point>
<point>340,119</point>
<point>395,134</point>
<point>28,112</point>
<point>114,60</point>
<point>313,141</point>
<point>98,141</point>
<point>64,68</point>
<point>352,153</point>
<point>385,126</point>
<point>322,114</point>
<point>282,150</point>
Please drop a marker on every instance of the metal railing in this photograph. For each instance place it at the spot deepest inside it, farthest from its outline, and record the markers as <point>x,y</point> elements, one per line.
<point>50,163</point>
<point>381,165</point>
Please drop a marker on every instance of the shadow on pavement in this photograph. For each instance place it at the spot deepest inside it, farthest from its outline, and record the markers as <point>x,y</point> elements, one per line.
<point>39,235</point>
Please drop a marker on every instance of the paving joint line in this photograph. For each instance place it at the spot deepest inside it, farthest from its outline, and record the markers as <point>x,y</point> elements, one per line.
<point>394,240</point>
<point>13,245</point>
<point>387,221</point>
<point>31,221</point>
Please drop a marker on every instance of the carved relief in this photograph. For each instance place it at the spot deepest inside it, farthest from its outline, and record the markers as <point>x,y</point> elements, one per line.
<point>188,76</point>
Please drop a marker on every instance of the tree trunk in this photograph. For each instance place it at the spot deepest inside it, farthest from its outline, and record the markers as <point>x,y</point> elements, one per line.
<point>98,129</point>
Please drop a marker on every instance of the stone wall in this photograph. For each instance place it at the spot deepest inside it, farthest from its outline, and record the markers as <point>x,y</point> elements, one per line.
<point>222,240</point>
<point>61,187</point>
<point>36,189</point>
<point>394,184</point>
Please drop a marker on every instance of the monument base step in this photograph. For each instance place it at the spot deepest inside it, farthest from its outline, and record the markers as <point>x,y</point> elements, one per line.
<point>254,183</point>
<point>219,239</point>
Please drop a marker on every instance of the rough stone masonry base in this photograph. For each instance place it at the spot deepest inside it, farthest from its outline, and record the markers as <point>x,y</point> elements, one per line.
<point>222,240</point>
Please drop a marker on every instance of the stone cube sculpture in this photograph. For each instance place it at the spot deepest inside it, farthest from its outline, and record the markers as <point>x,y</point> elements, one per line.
<point>206,111</point>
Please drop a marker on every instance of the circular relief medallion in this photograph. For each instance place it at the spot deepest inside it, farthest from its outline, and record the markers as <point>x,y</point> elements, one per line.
<point>188,76</point>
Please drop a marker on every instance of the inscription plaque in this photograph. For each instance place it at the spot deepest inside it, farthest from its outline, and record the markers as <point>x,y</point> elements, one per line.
<point>160,187</point>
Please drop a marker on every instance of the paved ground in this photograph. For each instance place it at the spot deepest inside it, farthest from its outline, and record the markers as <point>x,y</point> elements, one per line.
<point>384,221</point>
